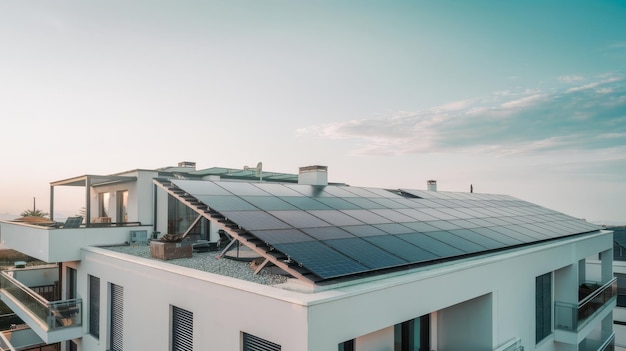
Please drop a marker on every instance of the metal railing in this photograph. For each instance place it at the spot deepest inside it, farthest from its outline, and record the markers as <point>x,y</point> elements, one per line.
<point>572,317</point>
<point>56,314</point>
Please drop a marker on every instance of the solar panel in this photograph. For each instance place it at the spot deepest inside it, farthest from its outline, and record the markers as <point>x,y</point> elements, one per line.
<point>255,220</point>
<point>226,203</point>
<point>200,188</point>
<point>281,236</point>
<point>73,222</point>
<point>363,230</point>
<point>366,216</point>
<point>436,247</point>
<point>337,203</point>
<point>327,233</point>
<point>393,215</point>
<point>401,248</point>
<point>241,188</point>
<point>365,253</point>
<point>322,260</point>
<point>484,241</point>
<point>362,202</point>
<point>394,228</point>
<point>305,203</point>
<point>335,231</point>
<point>299,219</point>
<point>337,218</point>
<point>456,241</point>
<point>269,203</point>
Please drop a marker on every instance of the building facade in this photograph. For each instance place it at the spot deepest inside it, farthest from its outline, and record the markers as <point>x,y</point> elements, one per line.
<point>307,265</point>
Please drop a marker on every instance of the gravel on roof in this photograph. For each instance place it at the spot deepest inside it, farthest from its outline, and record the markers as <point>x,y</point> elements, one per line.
<point>206,261</point>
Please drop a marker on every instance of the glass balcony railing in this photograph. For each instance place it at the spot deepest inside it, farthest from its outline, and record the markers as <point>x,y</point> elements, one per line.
<point>606,344</point>
<point>56,314</point>
<point>573,317</point>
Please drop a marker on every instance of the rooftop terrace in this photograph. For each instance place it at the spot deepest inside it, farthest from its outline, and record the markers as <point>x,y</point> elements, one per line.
<point>207,262</point>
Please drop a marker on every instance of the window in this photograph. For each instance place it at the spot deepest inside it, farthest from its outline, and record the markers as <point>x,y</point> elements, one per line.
<point>70,293</point>
<point>71,346</point>
<point>543,306</point>
<point>117,318</point>
<point>94,306</point>
<point>122,206</point>
<point>182,329</point>
<point>347,345</point>
<point>621,289</point>
<point>412,335</point>
<point>254,343</point>
<point>180,217</point>
<point>103,204</point>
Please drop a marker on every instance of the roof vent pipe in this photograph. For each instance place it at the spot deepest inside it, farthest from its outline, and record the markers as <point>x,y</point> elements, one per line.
<point>313,175</point>
<point>431,185</point>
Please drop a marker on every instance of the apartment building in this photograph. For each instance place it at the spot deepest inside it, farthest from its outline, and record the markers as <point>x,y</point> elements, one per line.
<point>224,259</point>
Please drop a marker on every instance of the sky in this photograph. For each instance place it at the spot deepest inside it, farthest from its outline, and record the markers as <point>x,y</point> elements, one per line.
<point>524,98</point>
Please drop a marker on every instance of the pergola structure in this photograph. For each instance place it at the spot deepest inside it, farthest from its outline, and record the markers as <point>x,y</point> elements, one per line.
<point>87,181</point>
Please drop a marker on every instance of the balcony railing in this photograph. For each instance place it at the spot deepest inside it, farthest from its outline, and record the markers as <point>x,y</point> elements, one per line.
<point>572,317</point>
<point>590,344</point>
<point>54,315</point>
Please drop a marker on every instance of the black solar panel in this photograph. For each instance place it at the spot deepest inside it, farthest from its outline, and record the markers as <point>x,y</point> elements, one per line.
<point>401,248</point>
<point>322,260</point>
<point>73,222</point>
<point>365,253</point>
<point>336,231</point>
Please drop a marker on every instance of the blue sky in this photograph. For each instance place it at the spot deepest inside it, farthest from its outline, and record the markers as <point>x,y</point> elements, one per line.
<point>521,98</point>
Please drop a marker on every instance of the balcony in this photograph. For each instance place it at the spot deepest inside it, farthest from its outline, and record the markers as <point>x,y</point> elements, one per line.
<point>574,321</point>
<point>50,244</point>
<point>21,337</point>
<point>52,321</point>
<point>602,342</point>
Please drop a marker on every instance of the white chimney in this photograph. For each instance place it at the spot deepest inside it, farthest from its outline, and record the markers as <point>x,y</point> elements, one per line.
<point>432,185</point>
<point>313,175</point>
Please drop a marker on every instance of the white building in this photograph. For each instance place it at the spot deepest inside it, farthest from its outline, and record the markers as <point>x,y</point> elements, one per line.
<point>619,268</point>
<point>338,268</point>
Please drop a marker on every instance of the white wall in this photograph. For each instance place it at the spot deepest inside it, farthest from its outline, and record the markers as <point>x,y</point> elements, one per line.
<point>222,307</point>
<point>499,290</point>
<point>37,276</point>
<point>466,326</point>
<point>510,278</point>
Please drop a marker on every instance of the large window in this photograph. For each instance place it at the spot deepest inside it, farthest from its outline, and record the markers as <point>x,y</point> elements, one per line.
<point>122,206</point>
<point>254,343</point>
<point>94,306</point>
<point>117,318</point>
<point>180,217</point>
<point>182,329</point>
<point>103,204</point>
<point>543,306</point>
<point>412,335</point>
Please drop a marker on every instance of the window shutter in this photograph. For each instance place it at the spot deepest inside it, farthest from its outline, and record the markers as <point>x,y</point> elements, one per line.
<point>254,343</point>
<point>182,329</point>
<point>117,318</point>
<point>94,306</point>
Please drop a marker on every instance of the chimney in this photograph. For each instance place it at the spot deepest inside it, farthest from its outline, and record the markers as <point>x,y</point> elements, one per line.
<point>432,185</point>
<point>313,175</point>
<point>187,164</point>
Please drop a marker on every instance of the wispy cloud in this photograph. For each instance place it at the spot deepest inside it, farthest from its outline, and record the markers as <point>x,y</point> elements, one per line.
<point>524,121</point>
<point>571,78</point>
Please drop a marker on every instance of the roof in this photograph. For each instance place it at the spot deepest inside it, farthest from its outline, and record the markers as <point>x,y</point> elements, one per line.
<point>326,232</point>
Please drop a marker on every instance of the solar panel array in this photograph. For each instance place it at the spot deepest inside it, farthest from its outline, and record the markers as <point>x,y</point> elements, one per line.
<point>335,231</point>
